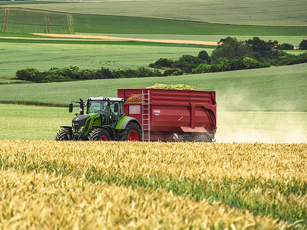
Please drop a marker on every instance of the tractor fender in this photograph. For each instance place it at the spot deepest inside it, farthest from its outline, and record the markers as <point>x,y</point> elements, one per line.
<point>126,122</point>
<point>69,128</point>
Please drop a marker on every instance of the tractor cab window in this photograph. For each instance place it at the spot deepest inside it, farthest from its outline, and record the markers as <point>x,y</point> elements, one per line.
<point>98,107</point>
<point>116,110</point>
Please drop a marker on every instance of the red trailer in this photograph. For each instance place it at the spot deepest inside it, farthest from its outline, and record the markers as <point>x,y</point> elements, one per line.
<point>170,115</point>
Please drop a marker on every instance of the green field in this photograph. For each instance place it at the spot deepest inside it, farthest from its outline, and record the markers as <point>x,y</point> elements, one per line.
<point>90,56</point>
<point>267,89</point>
<point>280,13</point>
<point>19,21</point>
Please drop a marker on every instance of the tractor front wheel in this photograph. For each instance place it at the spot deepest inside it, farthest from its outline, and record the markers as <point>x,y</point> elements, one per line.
<point>132,132</point>
<point>63,135</point>
<point>99,135</point>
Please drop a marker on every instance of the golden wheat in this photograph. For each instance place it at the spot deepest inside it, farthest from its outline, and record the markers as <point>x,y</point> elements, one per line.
<point>55,202</point>
<point>281,162</point>
<point>265,178</point>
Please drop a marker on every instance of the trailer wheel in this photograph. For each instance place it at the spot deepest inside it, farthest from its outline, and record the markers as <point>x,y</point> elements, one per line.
<point>185,138</point>
<point>99,135</point>
<point>132,132</point>
<point>202,137</point>
<point>63,135</point>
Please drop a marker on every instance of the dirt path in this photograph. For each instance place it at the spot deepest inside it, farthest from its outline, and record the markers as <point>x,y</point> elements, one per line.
<point>129,39</point>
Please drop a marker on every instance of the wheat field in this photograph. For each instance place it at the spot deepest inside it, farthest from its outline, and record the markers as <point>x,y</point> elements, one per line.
<point>126,185</point>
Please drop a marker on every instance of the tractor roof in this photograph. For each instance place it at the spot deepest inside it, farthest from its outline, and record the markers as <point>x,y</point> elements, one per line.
<point>105,99</point>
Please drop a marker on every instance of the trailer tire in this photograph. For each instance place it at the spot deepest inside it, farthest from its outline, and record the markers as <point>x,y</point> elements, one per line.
<point>63,135</point>
<point>132,132</point>
<point>99,134</point>
<point>202,137</point>
<point>185,138</point>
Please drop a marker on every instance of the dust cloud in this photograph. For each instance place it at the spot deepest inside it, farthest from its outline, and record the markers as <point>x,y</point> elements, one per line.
<point>244,116</point>
<point>265,127</point>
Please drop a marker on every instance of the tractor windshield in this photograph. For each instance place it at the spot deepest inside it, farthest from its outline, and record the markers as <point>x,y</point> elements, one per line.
<point>98,107</point>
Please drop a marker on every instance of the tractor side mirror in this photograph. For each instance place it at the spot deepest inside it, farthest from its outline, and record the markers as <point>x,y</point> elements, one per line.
<point>70,107</point>
<point>115,107</point>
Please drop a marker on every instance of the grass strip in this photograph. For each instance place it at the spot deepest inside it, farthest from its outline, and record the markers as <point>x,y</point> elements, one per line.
<point>34,103</point>
<point>182,169</point>
<point>137,25</point>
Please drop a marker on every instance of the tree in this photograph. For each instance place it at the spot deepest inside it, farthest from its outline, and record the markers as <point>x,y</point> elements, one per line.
<point>285,46</point>
<point>226,51</point>
<point>203,55</point>
<point>303,45</point>
<point>186,58</point>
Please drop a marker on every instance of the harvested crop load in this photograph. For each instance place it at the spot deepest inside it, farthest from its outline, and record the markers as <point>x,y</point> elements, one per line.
<point>177,87</point>
<point>134,98</point>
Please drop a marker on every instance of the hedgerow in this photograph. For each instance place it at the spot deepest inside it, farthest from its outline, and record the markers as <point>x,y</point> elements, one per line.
<point>230,54</point>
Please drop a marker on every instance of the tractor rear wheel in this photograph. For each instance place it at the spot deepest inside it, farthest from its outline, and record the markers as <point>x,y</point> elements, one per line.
<point>99,135</point>
<point>63,135</point>
<point>132,132</point>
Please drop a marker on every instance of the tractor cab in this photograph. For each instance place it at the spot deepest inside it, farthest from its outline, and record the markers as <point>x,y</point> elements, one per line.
<point>110,109</point>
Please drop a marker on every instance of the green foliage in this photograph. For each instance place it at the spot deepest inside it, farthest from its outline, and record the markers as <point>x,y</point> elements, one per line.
<point>74,73</point>
<point>203,55</point>
<point>224,64</point>
<point>262,47</point>
<point>29,74</point>
<point>230,48</point>
<point>292,59</point>
<point>285,46</point>
<point>303,45</point>
<point>163,62</point>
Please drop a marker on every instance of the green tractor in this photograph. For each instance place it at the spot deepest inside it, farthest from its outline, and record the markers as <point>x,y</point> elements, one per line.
<point>104,120</point>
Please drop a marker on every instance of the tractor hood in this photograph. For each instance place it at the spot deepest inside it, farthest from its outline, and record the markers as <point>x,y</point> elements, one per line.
<point>78,122</point>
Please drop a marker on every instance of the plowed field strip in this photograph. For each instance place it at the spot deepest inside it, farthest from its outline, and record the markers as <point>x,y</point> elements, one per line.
<point>129,39</point>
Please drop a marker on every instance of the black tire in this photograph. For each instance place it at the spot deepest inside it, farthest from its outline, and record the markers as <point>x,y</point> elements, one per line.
<point>202,137</point>
<point>185,138</point>
<point>100,134</point>
<point>63,135</point>
<point>132,132</point>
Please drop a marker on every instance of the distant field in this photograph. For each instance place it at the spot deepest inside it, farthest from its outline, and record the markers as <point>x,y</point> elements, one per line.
<point>267,89</point>
<point>134,25</point>
<point>261,12</point>
<point>31,21</point>
<point>17,20</point>
<point>44,56</point>
<point>20,21</point>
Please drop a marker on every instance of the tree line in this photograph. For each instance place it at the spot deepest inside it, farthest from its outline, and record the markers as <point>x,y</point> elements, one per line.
<point>230,54</point>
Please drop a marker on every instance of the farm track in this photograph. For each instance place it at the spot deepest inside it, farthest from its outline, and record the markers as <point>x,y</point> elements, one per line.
<point>210,43</point>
